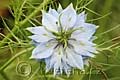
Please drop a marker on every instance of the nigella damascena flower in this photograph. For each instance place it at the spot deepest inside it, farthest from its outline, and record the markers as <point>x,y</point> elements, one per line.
<point>64,40</point>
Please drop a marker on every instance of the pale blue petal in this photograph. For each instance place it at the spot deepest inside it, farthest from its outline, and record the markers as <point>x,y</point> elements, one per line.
<point>81,18</point>
<point>74,60</point>
<point>86,53</point>
<point>66,67</point>
<point>58,66</point>
<point>55,62</point>
<point>50,22</point>
<point>86,31</point>
<point>53,12</point>
<point>37,30</point>
<point>60,9</point>
<point>53,59</point>
<point>83,47</point>
<point>68,17</point>
<point>35,43</point>
<point>40,34</point>
<point>42,51</point>
<point>90,29</point>
<point>40,38</point>
<point>78,34</point>
<point>50,62</point>
<point>47,61</point>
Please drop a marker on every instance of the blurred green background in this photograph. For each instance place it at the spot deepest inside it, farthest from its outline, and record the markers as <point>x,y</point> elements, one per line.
<point>15,47</point>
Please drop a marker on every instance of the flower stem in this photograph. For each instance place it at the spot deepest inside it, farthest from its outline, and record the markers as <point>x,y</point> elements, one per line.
<point>14,57</point>
<point>25,20</point>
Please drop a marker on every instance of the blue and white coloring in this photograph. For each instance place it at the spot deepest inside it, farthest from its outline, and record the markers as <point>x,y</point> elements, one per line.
<point>64,41</point>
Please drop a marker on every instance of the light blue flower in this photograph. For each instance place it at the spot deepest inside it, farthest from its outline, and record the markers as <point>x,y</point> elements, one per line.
<point>63,40</point>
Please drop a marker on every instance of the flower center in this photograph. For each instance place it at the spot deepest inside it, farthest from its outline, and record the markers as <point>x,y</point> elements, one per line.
<point>63,37</point>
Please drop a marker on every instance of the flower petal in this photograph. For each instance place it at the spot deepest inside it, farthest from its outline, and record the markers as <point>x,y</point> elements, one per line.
<point>42,51</point>
<point>40,34</point>
<point>81,18</point>
<point>37,30</point>
<point>50,62</point>
<point>85,31</point>
<point>86,54</point>
<point>67,69</point>
<point>53,12</point>
<point>83,47</point>
<point>35,43</point>
<point>55,61</point>
<point>49,21</point>
<point>47,61</point>
<point>60,9</point>
<point>40,38</point>
<point>68,17</point>
<point>58,66</point>
<point>74,60</point>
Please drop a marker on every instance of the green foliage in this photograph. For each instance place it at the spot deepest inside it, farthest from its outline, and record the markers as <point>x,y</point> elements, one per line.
<point>15,47</point>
